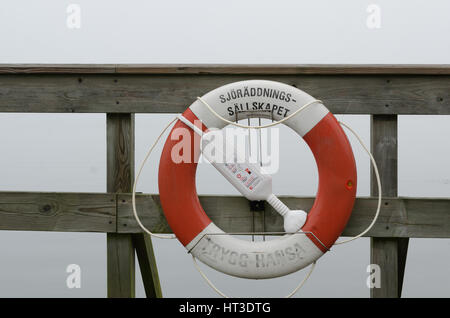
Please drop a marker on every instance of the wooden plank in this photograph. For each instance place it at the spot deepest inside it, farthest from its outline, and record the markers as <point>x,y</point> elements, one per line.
<point>120,266</point>
<point>228,68</point>
<point>286,69</point>
<point>384,253</point>
<point>388,253</point>
<point>232,214</point>
<point>120,152</point>
<point>385,153</point>
<point>147,263</point>
<point>57,68</point>
<point>154,93</point>
<point>120,175</point>
<point>92,212</point>
<point>74,212</point>
<point>399,217</point>
<point>402,252</point>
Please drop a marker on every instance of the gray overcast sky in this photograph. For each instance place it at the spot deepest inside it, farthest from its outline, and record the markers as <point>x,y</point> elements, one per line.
<point>66,152</point>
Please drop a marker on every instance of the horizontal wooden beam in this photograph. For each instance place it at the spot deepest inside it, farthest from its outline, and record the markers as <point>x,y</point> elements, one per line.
<point>96,212</point>
<point>63,212</point>
<point>250,69</point>
<point>399,217</point>
<point>173,93</point>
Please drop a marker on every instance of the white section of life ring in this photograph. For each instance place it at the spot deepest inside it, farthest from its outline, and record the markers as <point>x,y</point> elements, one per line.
<point>254,260</point>
<point>302,123</point>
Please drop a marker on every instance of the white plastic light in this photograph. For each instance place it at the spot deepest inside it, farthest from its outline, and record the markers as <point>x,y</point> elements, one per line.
<point>247,177</point>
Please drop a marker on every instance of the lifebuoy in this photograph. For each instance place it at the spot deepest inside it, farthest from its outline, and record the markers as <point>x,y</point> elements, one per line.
<point>326,219</point>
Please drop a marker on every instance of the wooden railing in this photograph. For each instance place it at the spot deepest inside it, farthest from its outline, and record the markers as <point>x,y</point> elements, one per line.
<point>120,91</point>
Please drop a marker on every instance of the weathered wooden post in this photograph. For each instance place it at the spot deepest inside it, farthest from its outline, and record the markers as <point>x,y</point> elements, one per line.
<point>120,174</point>
<point>388,253</point>
<point>121,247</point>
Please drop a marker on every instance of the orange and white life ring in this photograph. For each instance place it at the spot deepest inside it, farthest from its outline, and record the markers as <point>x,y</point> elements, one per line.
<point>327,218</point>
